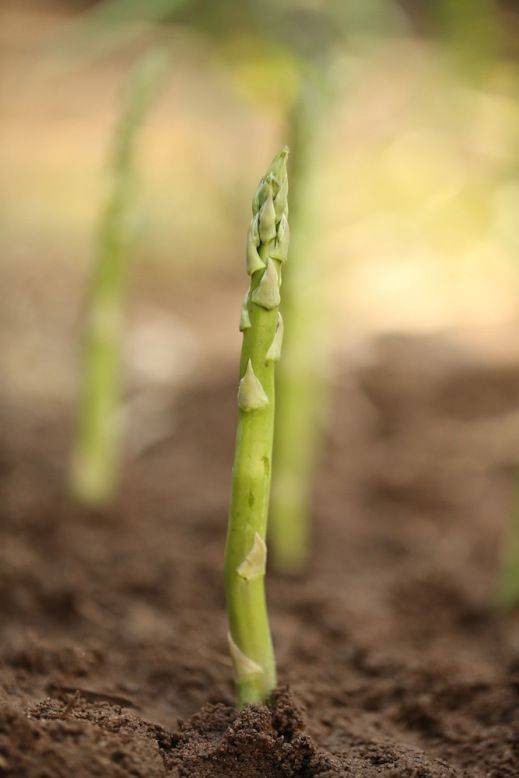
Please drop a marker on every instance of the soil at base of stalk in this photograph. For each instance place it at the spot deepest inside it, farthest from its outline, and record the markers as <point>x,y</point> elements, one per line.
<point>114,657</point>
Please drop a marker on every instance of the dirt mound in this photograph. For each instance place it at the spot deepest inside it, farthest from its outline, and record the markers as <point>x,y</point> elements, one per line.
<point>113,648</point>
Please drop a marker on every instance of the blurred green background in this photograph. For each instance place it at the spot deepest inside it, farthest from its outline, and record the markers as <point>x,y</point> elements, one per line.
<point>414,176</point>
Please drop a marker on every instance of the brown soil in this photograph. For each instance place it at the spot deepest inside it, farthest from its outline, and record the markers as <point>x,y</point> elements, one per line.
<point>114,658</point>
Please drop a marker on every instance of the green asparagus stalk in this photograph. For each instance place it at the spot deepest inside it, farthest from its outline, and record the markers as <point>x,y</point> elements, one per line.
<point>95,455</point>
<point>470,31</point>
<point>301,383</point>
<point>508,589</point>
<point>262,326</point>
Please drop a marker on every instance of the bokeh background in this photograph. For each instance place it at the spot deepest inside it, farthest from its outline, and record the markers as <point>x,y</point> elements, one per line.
<point>414,180</point>
<point>404,218</point>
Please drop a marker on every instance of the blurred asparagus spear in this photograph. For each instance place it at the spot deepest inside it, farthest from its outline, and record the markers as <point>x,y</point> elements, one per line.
<point>508,591</point>
<point>96,445</point>
<point>262,327</point>
<point>470,31</point>
<point>301,381</point>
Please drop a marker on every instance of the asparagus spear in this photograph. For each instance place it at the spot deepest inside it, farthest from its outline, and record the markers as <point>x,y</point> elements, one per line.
<point>245,555</point>
<point>301,386</point>
<point>508,584</point>
<point>95,455</point>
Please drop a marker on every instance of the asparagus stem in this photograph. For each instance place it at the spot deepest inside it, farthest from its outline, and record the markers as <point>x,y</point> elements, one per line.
<point>508,591</point>
<point>95,455</point>
<point>301,394</point>
<point>245,554</point>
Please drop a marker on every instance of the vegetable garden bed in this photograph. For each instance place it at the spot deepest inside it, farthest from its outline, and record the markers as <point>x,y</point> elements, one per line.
<point>114,652</point>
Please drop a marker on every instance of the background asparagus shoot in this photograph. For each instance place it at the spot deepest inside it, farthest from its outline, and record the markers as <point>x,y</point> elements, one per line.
<point>301,383</point>
<point>508,591</point>
<point>261,323</point>
<point>95,454</point>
